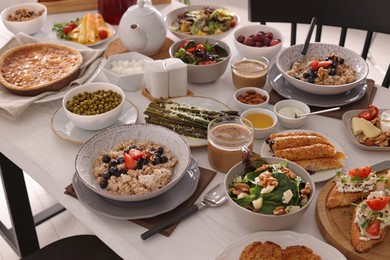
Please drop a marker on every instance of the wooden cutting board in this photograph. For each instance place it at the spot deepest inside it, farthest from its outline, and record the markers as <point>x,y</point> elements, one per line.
<point>335,226</point>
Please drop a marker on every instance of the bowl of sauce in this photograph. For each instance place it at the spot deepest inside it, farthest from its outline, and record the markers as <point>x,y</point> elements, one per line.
<point>264,121</point>
<point>288,111</point>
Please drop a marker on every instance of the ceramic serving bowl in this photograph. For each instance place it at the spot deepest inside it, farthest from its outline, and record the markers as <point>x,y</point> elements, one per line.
<point>250,97</point>
<point>98,121</point>
<point>204,73</point>
<point>30,26</point>
<point>181,31</point>
<point>319,51</point>
<point>285,111</point>
<point>258,116</point>
<point>105,141</point>
<point>126,70</point>
<point>245,50</point>
<point>254,221</point>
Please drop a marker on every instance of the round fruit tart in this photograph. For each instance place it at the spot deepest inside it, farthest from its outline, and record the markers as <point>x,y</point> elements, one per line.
<point>32,69</point>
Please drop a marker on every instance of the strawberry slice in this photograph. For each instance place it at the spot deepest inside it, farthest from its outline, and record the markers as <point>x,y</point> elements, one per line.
<point>130,163</point>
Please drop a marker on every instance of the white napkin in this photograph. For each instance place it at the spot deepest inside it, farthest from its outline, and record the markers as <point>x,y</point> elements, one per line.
<point>12,106</point>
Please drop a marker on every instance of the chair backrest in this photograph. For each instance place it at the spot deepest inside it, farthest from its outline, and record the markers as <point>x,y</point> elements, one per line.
<point>371,16</point>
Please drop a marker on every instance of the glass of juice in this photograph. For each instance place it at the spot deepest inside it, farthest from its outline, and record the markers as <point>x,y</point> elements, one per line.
<point>226,137</point>
<point>112,10</point>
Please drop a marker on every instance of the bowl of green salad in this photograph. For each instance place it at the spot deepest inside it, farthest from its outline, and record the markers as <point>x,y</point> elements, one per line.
<point>268,193</point>
<point>206,58</point>
<point>201,21</point>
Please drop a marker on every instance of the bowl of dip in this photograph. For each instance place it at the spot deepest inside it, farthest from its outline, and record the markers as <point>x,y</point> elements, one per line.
<point>264,121</point>
<point>249,72</point>
<point>288,112</point>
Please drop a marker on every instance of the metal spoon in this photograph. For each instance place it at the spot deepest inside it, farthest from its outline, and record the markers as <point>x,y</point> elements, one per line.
<point>213,198</point>
<point>317,112</point>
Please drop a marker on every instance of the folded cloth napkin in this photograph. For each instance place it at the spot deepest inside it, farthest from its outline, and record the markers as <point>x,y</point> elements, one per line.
<point>12,106</point>
<point>360,104</point>
<point>206,176</point>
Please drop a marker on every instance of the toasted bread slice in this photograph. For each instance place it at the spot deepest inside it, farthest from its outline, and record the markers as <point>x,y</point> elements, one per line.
<point>341,199</point>
<point>362,246</point>
<point>262,251</point>
<point>299,253</point>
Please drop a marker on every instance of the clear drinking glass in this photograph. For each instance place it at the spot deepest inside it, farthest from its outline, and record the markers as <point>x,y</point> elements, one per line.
<point>226,137</point>
<point>248,72</point>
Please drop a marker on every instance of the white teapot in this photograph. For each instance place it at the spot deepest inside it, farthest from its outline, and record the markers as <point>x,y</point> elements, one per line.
<point>142,28</point>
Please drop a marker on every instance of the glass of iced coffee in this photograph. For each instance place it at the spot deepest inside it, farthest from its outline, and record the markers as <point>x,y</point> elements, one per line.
<point>226,137</point>
<point>247,72</point>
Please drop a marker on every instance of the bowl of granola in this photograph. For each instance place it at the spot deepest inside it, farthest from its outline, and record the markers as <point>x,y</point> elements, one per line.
<point>28,18</point>
<point>133,162</point>
<point>274,195</point>
<point>326,69</point>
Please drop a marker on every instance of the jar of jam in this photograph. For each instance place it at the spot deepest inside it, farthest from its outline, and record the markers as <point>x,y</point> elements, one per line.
<point>112,10</point>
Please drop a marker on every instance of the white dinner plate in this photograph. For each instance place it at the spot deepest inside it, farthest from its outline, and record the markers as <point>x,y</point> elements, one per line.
<point>140,209</point>
<point>285,89</point>
<point>92,44</point>
<point>201,102</point>
<point>319,176</point>
<point>65,129</point>
<point>347,117</point>
<point>284,239</point>
<point>60,94</point>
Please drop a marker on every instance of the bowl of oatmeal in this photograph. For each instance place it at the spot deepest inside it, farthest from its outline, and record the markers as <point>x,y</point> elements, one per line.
<point>327,69</point>
<point>28,18</point>
<point>133,162</point>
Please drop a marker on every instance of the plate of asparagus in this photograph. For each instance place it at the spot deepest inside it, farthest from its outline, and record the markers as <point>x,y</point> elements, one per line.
<point>188,116</point>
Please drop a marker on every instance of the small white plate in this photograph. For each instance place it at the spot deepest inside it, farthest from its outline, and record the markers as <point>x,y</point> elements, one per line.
<point>65,129</point>
<point>319,176</point>
<point>140,209</point>
<point>347,117</point>
<point>92,44</point>
<point>283,239</point>
<point>201,102</point>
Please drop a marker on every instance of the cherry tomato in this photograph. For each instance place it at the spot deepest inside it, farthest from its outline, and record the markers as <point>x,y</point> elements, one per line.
<point>362,172</point>
<point>72,26</point>
<point>199,47</point>
<point>102,34</point>
<point>233,23</point>
<point>374,227</point>
<point>365,115</point>
<point>130,163</point>
<point>67,29</point>
<point>377,203</point>
<point>136,154</point>
<point>191,50</point>
<point>207,62</point>
<point>373,111</point>
<point>184,43</point>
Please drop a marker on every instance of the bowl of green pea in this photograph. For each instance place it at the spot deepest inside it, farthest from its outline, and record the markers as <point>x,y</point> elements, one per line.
<point>94,106</point>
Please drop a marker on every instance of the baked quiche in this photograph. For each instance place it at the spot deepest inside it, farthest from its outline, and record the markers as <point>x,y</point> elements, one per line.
<point>32,69</point>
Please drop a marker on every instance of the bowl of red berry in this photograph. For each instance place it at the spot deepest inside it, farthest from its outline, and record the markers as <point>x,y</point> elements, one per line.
<point>258,40</point>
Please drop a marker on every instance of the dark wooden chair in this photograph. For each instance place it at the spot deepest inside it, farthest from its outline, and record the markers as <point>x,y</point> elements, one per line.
<point>371,16</point>
<point>75,247</point>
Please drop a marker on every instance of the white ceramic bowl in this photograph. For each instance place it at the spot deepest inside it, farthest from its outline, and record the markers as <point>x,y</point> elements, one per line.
<point>94,122</point>
<point>30,26</point>
<point>204,73</point>
<point>244,106</point>
<point>131,82</point>
<point>287,121</point>
<point>261,222</point>
<point>320,51</point>
<point>106,139</point>
<point>256,52</point>
<point>260,133</point>
<point>172,16</point>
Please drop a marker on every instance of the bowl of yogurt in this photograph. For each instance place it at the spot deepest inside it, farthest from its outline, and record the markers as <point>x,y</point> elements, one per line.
<point>289,111</point>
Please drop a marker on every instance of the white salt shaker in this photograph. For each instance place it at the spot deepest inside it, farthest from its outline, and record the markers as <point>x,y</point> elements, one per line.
<point>177,75</point>
<point>156,78</point>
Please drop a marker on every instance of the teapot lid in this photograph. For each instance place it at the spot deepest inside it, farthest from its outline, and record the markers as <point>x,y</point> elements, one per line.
<point>142,8</point>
